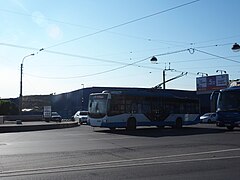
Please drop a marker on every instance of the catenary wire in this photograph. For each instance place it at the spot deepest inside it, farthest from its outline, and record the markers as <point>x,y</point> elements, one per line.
<point>122,24</point>
<point>228,59</point>
<point>114,69</point>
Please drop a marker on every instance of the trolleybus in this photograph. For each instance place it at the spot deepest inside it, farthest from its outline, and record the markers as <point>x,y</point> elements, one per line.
<point>147,107</point>
<point>228,107</point>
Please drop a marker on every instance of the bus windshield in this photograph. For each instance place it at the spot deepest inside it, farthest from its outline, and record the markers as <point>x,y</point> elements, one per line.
<point>97,105</point>
<point>229,101</point>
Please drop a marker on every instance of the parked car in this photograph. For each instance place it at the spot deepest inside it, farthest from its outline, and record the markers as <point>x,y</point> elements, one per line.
<point>81,116</point>
<point>208,118</point>
<point>56,117</point>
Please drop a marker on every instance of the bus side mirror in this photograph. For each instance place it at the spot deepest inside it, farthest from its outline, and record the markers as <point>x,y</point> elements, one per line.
<point>214,95</point>
<point>213,100</point>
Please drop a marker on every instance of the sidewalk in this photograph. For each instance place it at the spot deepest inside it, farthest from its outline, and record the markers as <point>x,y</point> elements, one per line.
<point>36,126</point>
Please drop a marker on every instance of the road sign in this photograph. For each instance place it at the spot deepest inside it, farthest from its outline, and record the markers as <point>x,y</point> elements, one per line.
<point>47,112</point>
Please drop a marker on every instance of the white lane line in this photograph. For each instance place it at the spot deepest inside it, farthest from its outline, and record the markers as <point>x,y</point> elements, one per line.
<point>159,162</point>
<point>119,138</point>
<point>125,161</point>
<point>48,171</point>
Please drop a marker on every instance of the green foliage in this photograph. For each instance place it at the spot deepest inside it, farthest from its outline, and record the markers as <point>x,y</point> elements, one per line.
<point>8,108</point>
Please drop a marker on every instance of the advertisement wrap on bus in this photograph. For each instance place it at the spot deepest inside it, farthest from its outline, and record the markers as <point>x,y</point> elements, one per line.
<point>129,109</point>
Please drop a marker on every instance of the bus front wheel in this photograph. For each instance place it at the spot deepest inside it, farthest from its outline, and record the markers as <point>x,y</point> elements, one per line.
<point>230,128</point>
<point>131,124</point>
<point>178,123</point>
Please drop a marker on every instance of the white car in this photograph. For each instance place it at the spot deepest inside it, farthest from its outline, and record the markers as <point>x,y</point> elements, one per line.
<point>81,116</point>
<point>208,118</point>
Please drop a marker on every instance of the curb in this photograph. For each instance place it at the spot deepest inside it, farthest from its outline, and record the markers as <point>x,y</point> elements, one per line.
<point>24,128</point>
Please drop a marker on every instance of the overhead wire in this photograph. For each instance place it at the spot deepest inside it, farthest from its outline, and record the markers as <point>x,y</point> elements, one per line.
<point>169,42</point>
<point>93,74</point>
<point>131,36</point>
<point>45,18</point>
<point>110,70</point>
<point>122,24</point>
<point>221,57</point>
<point>124,64</point>
<point>149,39</point>
<point>19,46</point>
<point>211,40</point>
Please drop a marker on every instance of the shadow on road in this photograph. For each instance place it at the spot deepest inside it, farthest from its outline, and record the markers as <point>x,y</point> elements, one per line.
<point>155,132</point>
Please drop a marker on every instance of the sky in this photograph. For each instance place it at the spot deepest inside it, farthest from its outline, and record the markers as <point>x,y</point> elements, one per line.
<point>89,43</point>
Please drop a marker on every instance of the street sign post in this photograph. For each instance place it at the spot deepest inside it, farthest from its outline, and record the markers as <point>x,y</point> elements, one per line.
<point>47,112</point>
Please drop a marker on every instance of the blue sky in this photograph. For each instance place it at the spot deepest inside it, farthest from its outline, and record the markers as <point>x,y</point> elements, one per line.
<point>74,55</point>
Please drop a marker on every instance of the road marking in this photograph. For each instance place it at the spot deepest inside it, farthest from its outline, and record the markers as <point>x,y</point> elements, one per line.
<point>119,138</point>
<point>115,164</point>
<point>96,167</point>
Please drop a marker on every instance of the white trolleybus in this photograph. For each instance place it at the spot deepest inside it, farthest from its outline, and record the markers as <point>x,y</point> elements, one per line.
<point>144,107</point>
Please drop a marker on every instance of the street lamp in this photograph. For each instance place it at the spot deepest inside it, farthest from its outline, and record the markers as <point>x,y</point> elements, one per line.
<point>236,47</point>
<point>203,74</point>
<point>20,97</point>
<point>153,60</point>
<point>221,71</point>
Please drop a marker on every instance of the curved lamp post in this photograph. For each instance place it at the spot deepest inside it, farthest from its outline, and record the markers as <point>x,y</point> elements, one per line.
<point>20,96</point>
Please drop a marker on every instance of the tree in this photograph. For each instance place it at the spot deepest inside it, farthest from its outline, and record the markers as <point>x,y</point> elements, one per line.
<point>8,108</point>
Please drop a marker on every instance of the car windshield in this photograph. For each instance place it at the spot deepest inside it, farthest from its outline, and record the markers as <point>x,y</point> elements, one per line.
<point>54,113</point>
<point>84,113</point>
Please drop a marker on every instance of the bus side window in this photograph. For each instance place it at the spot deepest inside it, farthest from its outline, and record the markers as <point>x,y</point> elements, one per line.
<point>139,110</point>
<point>134,108</point>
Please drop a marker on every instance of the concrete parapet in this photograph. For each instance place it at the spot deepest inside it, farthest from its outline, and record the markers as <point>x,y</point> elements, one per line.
<point>25,118</point>
<point>35,127</point>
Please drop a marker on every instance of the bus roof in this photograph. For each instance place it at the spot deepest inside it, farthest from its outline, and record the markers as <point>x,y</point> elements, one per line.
<point>233,88</point>
<point>180,94</point>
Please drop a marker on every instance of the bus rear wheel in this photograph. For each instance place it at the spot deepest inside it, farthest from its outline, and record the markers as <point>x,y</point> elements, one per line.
<point>112,128</point>
<point>160,127</point>
<point>131,124</point>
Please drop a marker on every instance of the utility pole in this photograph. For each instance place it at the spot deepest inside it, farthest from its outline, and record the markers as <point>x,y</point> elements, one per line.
<point>21,77</point>
<point>154,60</point>
<point>164,75</point>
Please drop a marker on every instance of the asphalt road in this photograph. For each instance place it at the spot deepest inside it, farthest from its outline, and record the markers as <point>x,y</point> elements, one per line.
<point>196,152</point>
